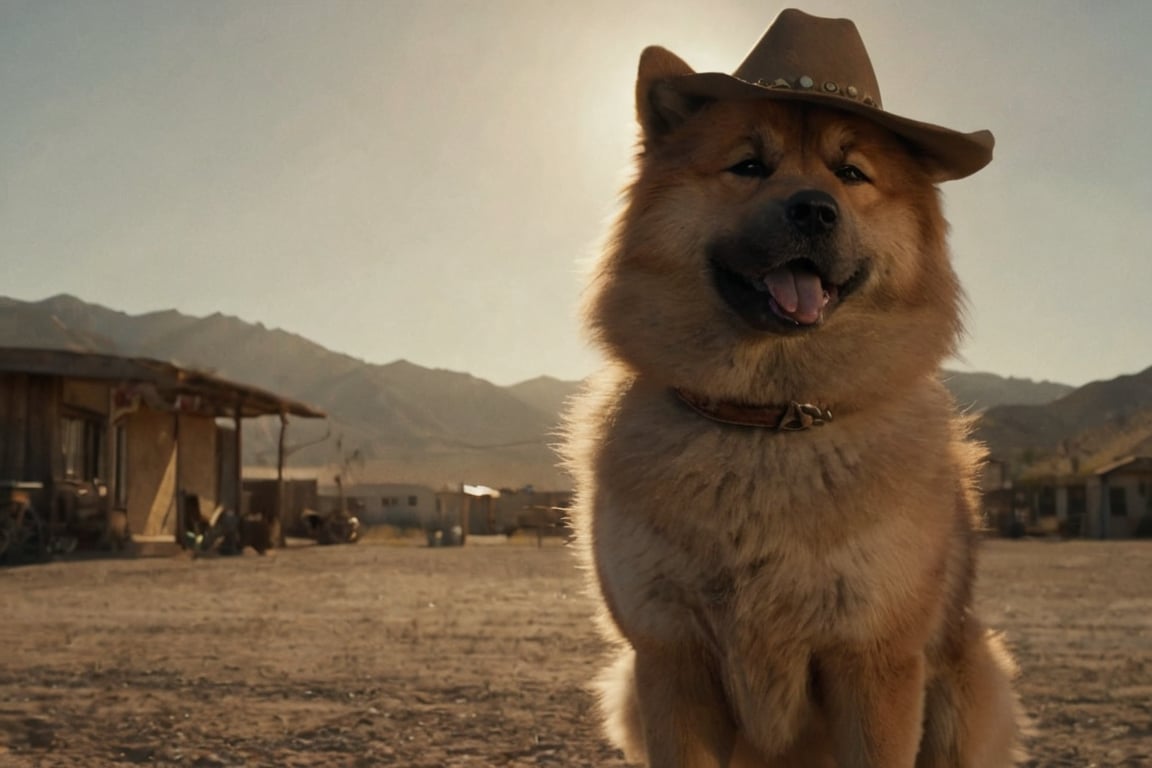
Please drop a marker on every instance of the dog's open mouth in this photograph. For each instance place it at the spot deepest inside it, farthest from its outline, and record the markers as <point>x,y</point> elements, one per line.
<point>793,297</point>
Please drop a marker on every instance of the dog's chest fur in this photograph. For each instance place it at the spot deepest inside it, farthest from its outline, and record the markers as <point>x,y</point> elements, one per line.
<point>754,544</point>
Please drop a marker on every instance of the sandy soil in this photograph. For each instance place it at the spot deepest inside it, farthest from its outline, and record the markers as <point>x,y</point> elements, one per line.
<point>380,655</point>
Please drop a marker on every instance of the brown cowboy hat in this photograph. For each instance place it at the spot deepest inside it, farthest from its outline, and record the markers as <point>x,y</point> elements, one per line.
<point>823,61</point>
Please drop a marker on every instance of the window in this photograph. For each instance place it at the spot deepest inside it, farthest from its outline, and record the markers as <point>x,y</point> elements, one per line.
<point>1077,500</point>
<point>1118,502</point>
<point>121,464</point>
<point>412,501</point>
<point>80,440</point>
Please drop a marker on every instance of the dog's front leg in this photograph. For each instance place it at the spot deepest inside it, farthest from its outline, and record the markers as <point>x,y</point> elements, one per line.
<point>685,717</point>
<point>875,703</point>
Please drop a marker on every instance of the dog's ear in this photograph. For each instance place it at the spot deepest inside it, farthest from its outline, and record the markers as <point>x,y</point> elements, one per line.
<point>659,108</point>
<point>935,170</point>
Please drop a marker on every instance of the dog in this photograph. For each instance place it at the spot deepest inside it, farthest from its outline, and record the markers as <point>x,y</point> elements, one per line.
<point>776,498</point>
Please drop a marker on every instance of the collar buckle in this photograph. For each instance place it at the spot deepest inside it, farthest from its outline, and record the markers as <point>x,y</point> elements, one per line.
<point>801,416</point>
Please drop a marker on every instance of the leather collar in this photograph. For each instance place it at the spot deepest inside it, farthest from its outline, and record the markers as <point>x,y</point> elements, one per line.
<point>793,417</point>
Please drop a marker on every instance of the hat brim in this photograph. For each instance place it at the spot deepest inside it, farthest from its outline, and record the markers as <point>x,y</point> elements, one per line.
<point>953,154</point>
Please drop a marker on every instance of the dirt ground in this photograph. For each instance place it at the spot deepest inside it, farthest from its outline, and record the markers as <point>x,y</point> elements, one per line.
<point>372,655</point>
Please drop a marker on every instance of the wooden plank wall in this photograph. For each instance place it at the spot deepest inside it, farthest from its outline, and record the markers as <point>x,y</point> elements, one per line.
<point>29,427</point>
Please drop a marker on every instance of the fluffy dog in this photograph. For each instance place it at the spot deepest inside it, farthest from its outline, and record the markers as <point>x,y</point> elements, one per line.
<point>775,496</point>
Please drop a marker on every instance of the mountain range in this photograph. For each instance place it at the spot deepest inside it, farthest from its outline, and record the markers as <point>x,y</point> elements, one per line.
<point>402,422</point>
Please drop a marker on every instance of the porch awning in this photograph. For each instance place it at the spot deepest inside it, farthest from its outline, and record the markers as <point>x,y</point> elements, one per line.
<point>177,387</point>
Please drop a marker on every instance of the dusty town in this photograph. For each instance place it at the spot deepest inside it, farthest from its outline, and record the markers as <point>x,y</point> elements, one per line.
<point>455,632</point>
<point>281,489</point>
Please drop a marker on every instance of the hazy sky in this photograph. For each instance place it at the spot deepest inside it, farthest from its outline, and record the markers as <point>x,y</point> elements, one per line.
<point>421,179</point>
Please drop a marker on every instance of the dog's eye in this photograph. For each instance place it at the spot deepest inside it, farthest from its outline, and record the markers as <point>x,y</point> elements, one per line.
<point>851,174</point>
<point>751,167</point>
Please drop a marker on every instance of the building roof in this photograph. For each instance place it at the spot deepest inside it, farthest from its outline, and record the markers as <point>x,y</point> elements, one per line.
<point>1128,462</point>
<point>210,393</point>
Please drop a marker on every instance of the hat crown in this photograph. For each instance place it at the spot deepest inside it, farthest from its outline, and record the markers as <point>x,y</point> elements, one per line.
<point>807,59</point>
<point>812,52</point>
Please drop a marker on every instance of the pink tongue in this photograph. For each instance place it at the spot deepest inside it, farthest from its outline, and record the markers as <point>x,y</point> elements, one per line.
<point>800,296</point>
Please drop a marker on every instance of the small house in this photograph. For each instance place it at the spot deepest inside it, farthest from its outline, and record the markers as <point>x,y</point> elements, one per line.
<point>147,443</point>
<point>1119,497</point>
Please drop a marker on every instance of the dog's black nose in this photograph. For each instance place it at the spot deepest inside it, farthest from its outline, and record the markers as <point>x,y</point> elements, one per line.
<point>812,212</point>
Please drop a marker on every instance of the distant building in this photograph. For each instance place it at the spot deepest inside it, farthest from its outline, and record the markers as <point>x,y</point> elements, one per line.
<point>1119,496</point>
<point>296,492</point>
<point>1109,502</point>
<point>1052,504</point>
<point>103,440</point>
<point>398,504</point>
<point>996,496</point>
<point>488,511</point>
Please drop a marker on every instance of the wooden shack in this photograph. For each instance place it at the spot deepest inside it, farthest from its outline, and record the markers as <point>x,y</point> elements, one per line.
<point>149,435</point>
<point>1120,498</point>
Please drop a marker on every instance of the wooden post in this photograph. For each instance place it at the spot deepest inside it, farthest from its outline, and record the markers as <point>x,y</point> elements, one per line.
<point>238,459</point>
<point>111,466</point>
<point>465,514</point>
<point>176,492</point>
<point>278,525</point>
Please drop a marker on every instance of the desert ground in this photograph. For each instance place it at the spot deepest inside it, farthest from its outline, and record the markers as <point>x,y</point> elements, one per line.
<point>377,654</point>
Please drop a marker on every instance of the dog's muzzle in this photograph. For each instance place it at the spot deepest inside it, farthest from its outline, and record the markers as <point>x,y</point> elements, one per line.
<point>790,266</point>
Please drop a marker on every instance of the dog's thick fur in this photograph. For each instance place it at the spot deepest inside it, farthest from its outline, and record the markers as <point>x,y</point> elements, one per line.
<point>782,598</point>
